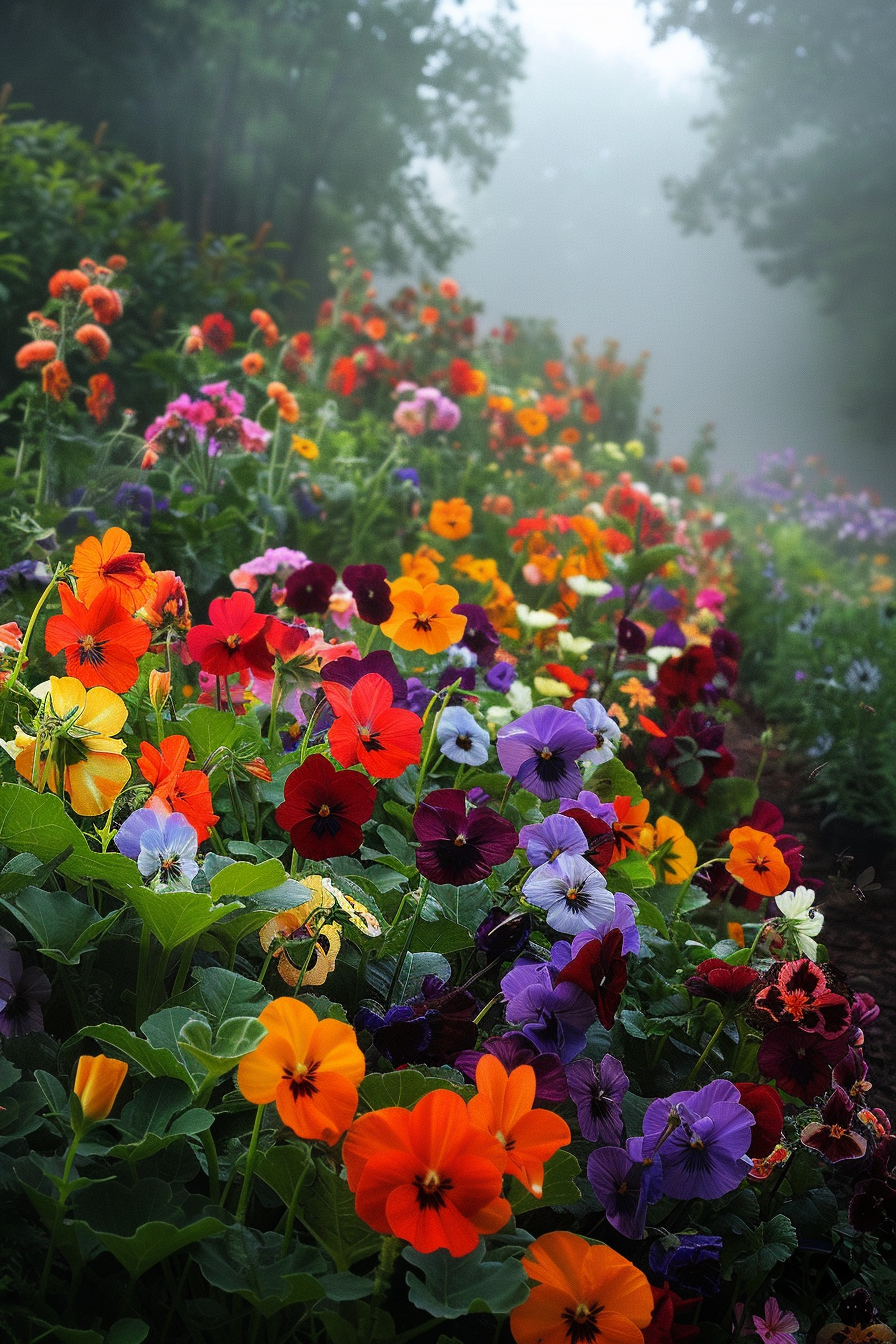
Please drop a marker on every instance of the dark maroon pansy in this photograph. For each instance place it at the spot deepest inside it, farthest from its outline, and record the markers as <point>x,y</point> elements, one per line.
<point>716,980</point>
<point>852,1075</point>
<point>800,1061</point>
<point>324,809</point>
<point>767,1109</point>
<point>309,588</point>
<point>503,933</point>
<point>600,970</point>
<point>458,847</point>
<point>600,836</point>
<point>479,636</point>
<point>872,1206</point>
<point>834,1136</point>
<point>630,637</point>
<point>369,587</point>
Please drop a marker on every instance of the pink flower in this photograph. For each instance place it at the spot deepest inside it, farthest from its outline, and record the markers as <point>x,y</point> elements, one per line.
<point>776,1326</point>
<point>342,606</point>
<point>710,599</point>
<point>409,417</point>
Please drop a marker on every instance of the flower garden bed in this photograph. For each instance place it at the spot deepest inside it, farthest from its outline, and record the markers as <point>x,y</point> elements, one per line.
<point>393,947</point>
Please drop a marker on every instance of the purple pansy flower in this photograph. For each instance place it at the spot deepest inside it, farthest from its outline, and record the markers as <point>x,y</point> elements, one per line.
<point>461,738</point>
<point>626,1185</point>
<point>597,1091</point>
<point>418,696</point>
<point>548,839</point>
<point>606,731</point>
<point>458,847</point>
<point>624,912</point>
<point>572,893</point>
<point>23,991</point>
<point>500,677</point>
<point>503,933</point>
<point>690,1262</point>
<point>514,1049</point>
<point>540,750</point>
<point>590,802</point>
<point>554,1020</point>
<point>704,1154</point>
<point>164,845</point>
<point>669,636</point>
<point>479,636</point>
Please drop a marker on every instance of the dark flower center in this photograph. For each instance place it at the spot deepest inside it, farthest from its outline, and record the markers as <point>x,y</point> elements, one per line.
<point>549,765</point>
<point>328,820</point>
<point>302,1079</point>
<point>464,741</point>
<point>370,740</point>
<point>581,1324</point>
<point>423,623</point>
<point>90,651</point>
<point>430,1190</point>
<point>576,898</point>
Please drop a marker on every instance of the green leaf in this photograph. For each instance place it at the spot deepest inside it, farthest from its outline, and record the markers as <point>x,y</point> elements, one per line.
<point>754,1253</point>
<point>417,965</point>
<point>225,994</point>
<point>649,914</point>
<point>404,1088</point>
<point>207,728</point>
<point>38,824</point>
<point>560,1186</point>
<point>459,1286</point>
<point>175,917</point>
<point>634,870</point>
<point>235,1038</point>
<point>284,1166</point>
<point>726,801</point>
<point>115,1215</point>
<point>250,1264</point>
<point>642,563</point>
<point>396,845</point>
<point>250,879</point>
<point>159,1063</point>
<point>156,1118</point>
<point>63,926</point>
<point>442,937</point>
<point>612,780</point>
<point>328,1213</point>
<point>466,906</point>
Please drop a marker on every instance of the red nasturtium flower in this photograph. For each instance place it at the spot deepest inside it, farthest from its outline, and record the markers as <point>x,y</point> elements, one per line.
<point>217,331</point>
<point>343,376</point>
<point>310,1068</point>
<point>234,639</point>
<point>324,809</point>
<point>110,564</point>
<point>584,1294</point>
<point>428,1175</point>
<point>55,380</point>
<point>101,642</point>
<point>503,1108</point>
<point>104,303</point>
<point>178,789</point>
<point>368,731</point>
<point>756,862</point>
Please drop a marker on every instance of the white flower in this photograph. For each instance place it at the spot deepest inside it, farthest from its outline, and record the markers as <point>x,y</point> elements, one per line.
<point>800,920</point>
<point>536,620</point>
<point>575,645</point>
<point>519,698</point>
<point>586,587</point>
<point>498,715</point>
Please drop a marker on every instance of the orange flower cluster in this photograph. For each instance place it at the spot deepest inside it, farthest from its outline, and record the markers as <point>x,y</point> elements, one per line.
<point>451,519</point>
<point>287,406</point>
<point>266,324</point>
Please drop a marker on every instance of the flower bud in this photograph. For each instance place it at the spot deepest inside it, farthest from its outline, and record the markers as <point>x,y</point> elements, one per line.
<point>159,688</point>
<point>97,1083</point>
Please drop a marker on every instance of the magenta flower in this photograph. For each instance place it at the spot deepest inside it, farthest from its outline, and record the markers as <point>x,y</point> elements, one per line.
<point>775,1326</point>
<point>540,750</point>
<point>457,847</point>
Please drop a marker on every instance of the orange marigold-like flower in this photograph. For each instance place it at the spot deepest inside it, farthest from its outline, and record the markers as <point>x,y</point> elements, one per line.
<point>531,421</point>
<point>500,405</point>
<point>35,352</point>
<point>110,563</point>
<point>422,565</point>
<point>451,518</point>
<point>94,340</point>
<point>55,380</point>
<point>583,1294</point>
<point>678,465</point>
<point>104,303</point>
<point>97,1083</point>
<point>116,262</point>
<point>570,435</point>
<point>310,1068</point>
<point>503,1108</point>
<point>756,862</point>
<point>591,413</point>
<point>429,316</point>
<point>101,397</point>
<point>287,406</point>
<point>428,1175</point>
<point>639,696</point>
<point>252,364</point>
<point>66,283</point>
<point>423,617</point>
<point>448,288</point>
<point>375,328</point>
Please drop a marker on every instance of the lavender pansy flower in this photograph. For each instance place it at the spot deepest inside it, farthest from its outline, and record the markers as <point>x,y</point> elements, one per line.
<point>500,676</point>
<point>554,1020</point>
<point>623,919</point>
<point>541,748</point>
<point>164,845</point>
<point>548,839</point>
<point>606,731</point>
<point>572,893</point>
<point>23,991</point>
<point>590,802</point>
<point>461,738</point>
<point>597,1091</point>
<point>626,1185</point>
<point>704,1137</point>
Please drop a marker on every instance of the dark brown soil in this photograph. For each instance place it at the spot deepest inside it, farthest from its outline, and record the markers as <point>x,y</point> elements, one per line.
<point>858,934</point>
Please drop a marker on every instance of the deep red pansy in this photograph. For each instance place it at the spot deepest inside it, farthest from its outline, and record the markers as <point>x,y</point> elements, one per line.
<point>323,809</point>
<point>601,971</point>
<point>767,1109</point>
<point>232,641</point>
<point>800,1061</point>
<point>717,980</point>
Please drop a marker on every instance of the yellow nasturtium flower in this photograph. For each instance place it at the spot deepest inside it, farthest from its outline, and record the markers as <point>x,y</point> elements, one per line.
<point>79,752</point>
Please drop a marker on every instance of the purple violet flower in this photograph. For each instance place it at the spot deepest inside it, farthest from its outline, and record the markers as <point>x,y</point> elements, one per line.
<point>597,1092</point>
<point>500,677</point>
<point>164,845</point>
<point>349,671</point>
<point>669,636</point>
<point>540,750</point>
<point>554,1020</point>
<point>626,1184</point>
<point>704,1137</point>
<point>690,1262</point>
<point>548,839</point>
<point>479,636</point>
<point>573,894</point>
<point>23,991</point>
<point>590,802</point>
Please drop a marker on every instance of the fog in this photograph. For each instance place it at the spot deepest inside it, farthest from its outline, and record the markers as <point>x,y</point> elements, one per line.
<point>574,225</point>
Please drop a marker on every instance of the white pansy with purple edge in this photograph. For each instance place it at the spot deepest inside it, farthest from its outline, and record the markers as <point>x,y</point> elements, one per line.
<point>572,893</point>
<point>163,844</point>
<point>607,733</point>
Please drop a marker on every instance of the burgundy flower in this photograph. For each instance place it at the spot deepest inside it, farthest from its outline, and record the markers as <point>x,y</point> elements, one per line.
<point>682,680</point>
<point>716,980</point>
<point>767,1109</point>
<point>726,644</point>
<point>664,1326</point>
<point>309,588</point>
<point>630,637</point>
<point>514,1049</point>
<point>324,809</point>
<point>458,847</point>
<point>852,1075</point>
<point>23,992</point>
<point>800,1061</point>
<point>432,1028</point>
<point>834,1137</point>
<point>799,993</point>
<point>479,636</point>
<point>349,671</point>
<point>368,586</point>
<point>502,933</point>
<point>600,970</point>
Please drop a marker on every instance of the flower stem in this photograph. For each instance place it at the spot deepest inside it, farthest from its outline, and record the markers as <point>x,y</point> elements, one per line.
<point>385,1268</point>
<point>60,1210</point>
<point>29,629</point>
<point>709,1045</point>
<point>402,956</point>
<point>250,1166</point>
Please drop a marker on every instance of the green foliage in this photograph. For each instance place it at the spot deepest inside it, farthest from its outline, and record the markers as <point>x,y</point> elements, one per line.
<point>454,1287</point>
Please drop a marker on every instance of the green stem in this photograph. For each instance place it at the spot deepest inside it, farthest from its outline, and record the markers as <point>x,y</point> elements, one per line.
<point>424,764</point>
<point>60,1210</point>
<point>250,1166</point>
<point>709,1045</point>
<point>29,629</point>
<point>315,715</point>
<point>293,1206</point>
<point>186,960</point>
<point>408,940</point>
<point>385,1268</point>
<point>211,1157</point>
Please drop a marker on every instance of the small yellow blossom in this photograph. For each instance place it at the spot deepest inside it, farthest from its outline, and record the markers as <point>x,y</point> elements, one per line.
<point>306,448</point>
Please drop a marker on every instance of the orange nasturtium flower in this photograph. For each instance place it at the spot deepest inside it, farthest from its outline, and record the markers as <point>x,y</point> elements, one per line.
<point>423,617</point>
<point>428,1175</point>
<point>503,1108</point>
<point>79,752</point>
<point>97,1084</point>
<point>101,642</point>
<point>671,854</point>
<point>451,518</point>
<point>756,862</point>
<point>629,823</point>
<point>531,421</point>
<point>583,1293</point>
<point>176,788</point>
<point>111,564</point>
<point>310,1068</point>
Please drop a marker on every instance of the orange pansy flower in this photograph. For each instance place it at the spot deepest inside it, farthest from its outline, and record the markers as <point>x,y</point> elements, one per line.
<point>179,790</point>
<point>98,1081</point>
<point>101,642</point>
<point>451,518</point>
<point>111,564</point>
<point>503,1108</point>
<point>310,1068</point>
<point>422,565</point>
<point>756,862</point>
<point>583,1293</point>
<point>423,616</point>
<point>531,421</point>
<point>629,823</point>
<point>428,1176</point>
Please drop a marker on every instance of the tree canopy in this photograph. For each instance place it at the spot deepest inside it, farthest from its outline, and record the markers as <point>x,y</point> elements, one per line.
<point>311,118</point>
<point>802,159</point>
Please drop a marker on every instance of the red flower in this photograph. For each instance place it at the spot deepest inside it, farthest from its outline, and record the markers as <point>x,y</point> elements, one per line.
<point>101,642</point>
<point>343,376</point>
<point>104,303</point>
<point>63,284</point>
<point>217,332</point>
<point>800,994</point>
<point>578,685</point>
<point>600,835</point>
<point>101,396</point>
<point>600,970</point>
<point>715,979</point>
<point>35,352</point>
<point>664,1327</point>
<point>233,640</point>
<point>767,1109</point>
<point>324,809</point>
<point>94,339</point>
<point>179,790</point>
<point>800,1061</point>
<point>682,679</point>
<point>368,730</point>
